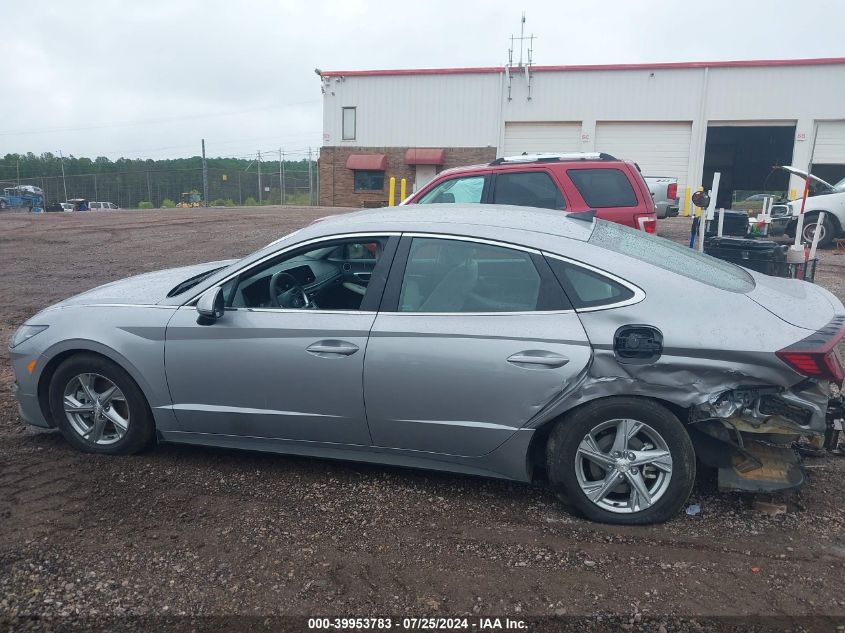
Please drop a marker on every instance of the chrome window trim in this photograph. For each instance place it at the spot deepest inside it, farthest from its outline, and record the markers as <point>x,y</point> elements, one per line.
<point>639,293</point>
<point>480,240</point>
<point>523,313</point>
<point>313,240</point>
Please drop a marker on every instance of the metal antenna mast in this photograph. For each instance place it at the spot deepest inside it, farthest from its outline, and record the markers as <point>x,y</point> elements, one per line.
<point>523,65</point>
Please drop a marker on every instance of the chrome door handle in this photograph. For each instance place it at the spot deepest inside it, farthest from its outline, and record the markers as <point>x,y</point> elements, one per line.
<point>538,357</point>
<point>332,347</point>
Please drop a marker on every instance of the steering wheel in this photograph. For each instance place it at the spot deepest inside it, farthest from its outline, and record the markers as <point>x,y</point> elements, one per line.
<point>293,297</point>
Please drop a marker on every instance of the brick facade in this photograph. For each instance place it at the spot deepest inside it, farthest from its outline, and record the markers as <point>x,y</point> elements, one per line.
<point>337,184</point>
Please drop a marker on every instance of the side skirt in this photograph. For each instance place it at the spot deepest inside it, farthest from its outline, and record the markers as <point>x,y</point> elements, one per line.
<point>508,461</point>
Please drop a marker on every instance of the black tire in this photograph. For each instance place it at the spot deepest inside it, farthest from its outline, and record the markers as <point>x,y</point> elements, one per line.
<point>2,204</point>
<point>140,432</point>
<point>562,458</point>
<point>828,230</point>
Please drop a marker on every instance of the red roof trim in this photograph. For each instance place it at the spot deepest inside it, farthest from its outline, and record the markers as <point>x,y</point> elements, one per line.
<point>368,162</point>
<point>820,61</point>
<point>425,156</point>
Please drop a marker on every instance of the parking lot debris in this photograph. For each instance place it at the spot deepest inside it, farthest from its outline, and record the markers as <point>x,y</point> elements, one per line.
<point>693,509</point>
<point>772,509</point>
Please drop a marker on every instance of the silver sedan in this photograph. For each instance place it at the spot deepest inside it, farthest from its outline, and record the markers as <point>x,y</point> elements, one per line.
<point>495,341</point>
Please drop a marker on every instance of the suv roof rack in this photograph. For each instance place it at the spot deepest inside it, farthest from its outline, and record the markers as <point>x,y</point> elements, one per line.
<point>545,157</point>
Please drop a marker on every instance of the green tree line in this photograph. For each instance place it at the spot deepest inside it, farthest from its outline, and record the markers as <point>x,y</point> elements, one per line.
<point>129,182</point>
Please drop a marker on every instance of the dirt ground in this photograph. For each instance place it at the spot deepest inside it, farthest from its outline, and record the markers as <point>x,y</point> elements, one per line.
<point>205,532</point>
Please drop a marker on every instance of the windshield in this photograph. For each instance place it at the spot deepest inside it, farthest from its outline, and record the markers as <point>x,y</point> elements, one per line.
<point>667,255</point>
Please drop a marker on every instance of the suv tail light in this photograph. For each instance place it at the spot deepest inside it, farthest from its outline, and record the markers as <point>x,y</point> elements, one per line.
<point>816,355</point>
<point>672,191</point>
<point>647,223</point>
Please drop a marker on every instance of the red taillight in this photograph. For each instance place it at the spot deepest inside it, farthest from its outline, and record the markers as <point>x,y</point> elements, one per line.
<point>816,355</point>
<point>672,191</point>
<point>647,223</point>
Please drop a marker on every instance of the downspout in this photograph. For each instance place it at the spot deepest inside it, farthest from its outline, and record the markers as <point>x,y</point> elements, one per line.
<point>500,124</point>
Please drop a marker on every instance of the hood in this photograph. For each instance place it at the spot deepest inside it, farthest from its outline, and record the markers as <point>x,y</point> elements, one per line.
<point>146,289</point>
<point>803,174</point>
<point>797,302</point>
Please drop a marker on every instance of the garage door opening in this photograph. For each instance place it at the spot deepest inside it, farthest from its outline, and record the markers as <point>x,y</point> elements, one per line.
<point>744,155</point>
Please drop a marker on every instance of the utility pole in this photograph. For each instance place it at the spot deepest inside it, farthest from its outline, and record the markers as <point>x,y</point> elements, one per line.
<point>259,176</point>
<point>149,188</point>
<point>96,196</point>
<point>18,164</point>
<point>310,180</point>
<point>64,181</point>
<point>204,177</point>
<point>282,175</point>
<point>240,195</point>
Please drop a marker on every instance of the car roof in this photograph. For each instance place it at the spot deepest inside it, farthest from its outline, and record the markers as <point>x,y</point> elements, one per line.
<point>541,163</point>
<point>461,218</point>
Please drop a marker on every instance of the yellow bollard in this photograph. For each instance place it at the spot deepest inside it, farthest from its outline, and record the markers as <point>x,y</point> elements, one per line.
<point>391,199</point>
<point>402,190</point>
<point>687,202</point>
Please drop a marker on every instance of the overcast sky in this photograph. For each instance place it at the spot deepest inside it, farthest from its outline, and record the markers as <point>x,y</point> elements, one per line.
<point>150,78</point>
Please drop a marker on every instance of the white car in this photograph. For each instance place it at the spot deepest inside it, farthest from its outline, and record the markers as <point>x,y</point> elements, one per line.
<point>102,206</point>
<point>829,198</point>
<point>67,207</point>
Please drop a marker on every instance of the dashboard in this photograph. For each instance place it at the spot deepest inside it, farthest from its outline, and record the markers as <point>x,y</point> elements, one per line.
<point>312,277</point>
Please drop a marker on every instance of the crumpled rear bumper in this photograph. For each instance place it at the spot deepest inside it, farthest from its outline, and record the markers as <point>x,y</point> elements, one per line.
<point>748,434</point>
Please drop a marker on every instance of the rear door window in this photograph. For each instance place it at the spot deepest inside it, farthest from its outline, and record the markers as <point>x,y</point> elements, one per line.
<point>467,190</point>
<point>527,189</point>
<point>446,275</point>
<point>603,188</point>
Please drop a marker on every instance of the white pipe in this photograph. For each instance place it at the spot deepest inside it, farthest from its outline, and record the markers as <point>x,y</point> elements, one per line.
<point>708,213</point>
<point>816,234</point>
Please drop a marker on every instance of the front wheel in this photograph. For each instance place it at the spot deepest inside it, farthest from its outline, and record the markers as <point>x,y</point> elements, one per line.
<point>98,406</point>
<point>622,460</point>
<point>826,233</point>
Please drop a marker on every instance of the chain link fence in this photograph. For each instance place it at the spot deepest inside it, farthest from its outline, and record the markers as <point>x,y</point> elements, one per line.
<point>164,187</point>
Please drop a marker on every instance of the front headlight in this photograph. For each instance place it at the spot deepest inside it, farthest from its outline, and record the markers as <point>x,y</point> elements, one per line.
<point>26,332</point>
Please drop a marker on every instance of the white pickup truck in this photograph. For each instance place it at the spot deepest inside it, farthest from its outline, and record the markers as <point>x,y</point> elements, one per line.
<point>664,192</point>
<point>828,198</point>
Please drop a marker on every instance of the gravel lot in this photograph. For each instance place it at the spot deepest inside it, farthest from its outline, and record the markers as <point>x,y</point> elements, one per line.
<point>205,532</point>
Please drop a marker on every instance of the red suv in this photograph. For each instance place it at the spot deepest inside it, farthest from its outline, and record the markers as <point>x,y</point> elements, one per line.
<point>613,188</point>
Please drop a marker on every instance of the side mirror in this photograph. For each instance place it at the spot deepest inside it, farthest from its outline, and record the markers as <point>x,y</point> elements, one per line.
<point>210,305</point>
<point>701,199</point>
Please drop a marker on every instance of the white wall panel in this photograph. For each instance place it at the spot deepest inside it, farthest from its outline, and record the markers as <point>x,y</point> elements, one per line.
<point>830,143</point>
<point>541,137</point>
<point>659,148</point>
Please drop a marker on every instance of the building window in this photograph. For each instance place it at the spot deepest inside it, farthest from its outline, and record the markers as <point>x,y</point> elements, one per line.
<point>349,122</point>
<point>368,180</point>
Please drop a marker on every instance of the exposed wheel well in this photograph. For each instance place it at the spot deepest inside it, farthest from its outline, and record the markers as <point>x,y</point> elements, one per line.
<point>537,450</point>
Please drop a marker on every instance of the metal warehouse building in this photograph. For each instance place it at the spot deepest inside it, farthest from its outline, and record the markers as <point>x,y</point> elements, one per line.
<point>686,120</point>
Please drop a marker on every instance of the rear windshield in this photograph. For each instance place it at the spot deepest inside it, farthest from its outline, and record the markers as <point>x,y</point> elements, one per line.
<point>665,254</point>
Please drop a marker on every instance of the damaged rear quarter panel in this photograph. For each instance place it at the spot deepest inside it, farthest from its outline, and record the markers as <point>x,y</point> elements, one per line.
<point>713,340</point>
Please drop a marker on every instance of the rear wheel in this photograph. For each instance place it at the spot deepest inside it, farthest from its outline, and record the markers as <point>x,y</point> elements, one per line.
<point>622,460</point>
<point>826,233</point>
<point>98,407</point>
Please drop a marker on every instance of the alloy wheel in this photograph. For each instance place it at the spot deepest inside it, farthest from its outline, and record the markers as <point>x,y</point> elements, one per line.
<point>96,409</point>
<point>623,465</point>
<point>810,229</point>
